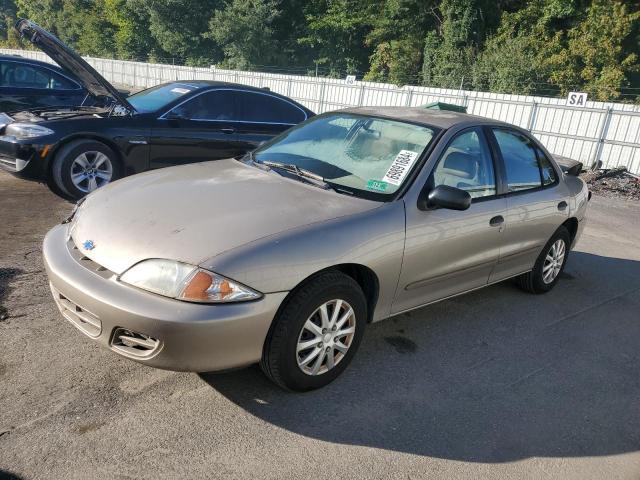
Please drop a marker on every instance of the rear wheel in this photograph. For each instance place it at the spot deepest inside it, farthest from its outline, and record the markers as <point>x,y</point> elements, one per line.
<point>82,166</point>
<point>549,265</point>
<point>316,334</point>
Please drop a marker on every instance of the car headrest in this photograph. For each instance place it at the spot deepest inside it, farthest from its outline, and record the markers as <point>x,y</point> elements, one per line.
<point>460,164</point>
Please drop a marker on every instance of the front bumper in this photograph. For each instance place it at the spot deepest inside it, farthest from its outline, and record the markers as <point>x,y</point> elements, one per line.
<point>188,336</point>
<point>22,159</point>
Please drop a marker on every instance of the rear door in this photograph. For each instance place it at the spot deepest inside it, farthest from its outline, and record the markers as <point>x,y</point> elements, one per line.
<point>447,251</point>
<point>536,204</point>
<point>201,128</point>
<point>264,116</point>
<point>23,85</point>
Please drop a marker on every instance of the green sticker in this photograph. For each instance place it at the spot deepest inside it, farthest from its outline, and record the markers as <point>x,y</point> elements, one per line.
<point>377,185</point>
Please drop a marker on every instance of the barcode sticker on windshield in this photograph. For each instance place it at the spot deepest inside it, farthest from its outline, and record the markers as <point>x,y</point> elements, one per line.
<point>400,167</point>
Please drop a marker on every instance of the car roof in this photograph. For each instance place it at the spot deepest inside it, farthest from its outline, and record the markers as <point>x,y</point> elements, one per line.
<point>435,118</point>
<point>201,84</point>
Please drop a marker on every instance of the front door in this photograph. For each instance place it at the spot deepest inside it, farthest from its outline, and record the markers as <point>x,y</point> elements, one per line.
<point>448,252</point>
<point>203,128</point>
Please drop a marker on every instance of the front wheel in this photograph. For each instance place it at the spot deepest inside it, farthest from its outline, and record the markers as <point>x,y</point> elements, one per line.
<point>316,334</point>
<point>549,265</point>
<point>82,166</point>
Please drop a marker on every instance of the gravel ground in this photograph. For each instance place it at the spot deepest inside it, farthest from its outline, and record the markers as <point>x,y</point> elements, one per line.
<point>613,184</point>
<point>493,384</point>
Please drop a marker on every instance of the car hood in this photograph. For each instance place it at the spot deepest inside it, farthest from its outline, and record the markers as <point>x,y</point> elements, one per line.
<point>194,212</point>
<point>72,63</point>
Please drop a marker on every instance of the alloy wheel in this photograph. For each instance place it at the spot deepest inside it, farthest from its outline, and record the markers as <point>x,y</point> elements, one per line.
<point>91,170</point>
<point>553,261</point>
<point>326,337</point>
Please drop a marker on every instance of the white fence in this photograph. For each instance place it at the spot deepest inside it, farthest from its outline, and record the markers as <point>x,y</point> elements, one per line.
<point>606,132</point>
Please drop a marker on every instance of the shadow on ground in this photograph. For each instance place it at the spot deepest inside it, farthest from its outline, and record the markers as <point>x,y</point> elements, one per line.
<point>493,376</point>
<point>6,275</point>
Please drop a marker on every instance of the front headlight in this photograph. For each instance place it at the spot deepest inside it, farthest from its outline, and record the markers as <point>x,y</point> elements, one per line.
<point>186,282</point>
<point>26,130</point>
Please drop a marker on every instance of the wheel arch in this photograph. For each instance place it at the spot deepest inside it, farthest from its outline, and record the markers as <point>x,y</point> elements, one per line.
<point>364,276</point>
<point>571,224</point>
<point>82,136</point>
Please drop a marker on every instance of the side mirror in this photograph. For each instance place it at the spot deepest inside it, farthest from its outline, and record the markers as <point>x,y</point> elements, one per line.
<point>444,196</point>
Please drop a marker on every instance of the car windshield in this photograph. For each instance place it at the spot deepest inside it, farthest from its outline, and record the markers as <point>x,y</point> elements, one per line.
<point>360,154</point>
<point>154,98</point>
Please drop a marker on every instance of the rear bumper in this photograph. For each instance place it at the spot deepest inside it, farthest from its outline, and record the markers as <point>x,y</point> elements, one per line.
<point>187,336</point>
<point>23,160</point>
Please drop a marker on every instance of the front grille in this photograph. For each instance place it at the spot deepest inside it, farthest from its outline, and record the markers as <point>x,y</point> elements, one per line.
<point>84,320</point>
<point>134,344</point>
<point>86,262</point>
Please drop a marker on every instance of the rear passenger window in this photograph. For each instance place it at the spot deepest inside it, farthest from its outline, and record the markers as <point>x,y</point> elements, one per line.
<point>520,159</point>
<point>258,107</point>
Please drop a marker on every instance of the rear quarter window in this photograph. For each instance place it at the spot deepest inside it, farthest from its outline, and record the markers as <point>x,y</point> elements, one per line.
<point>265,108</point>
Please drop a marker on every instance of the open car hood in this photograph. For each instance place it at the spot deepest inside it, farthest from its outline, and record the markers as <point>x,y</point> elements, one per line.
<point>73,63</point>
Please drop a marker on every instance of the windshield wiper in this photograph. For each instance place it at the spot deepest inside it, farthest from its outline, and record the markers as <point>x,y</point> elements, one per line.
<point>313,178</point>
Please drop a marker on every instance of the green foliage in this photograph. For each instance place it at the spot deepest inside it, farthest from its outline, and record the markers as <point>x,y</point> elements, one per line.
<point>244,28</point>
<point>544,47</point>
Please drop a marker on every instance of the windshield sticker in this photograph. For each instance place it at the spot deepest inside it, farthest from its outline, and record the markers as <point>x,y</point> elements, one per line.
<point>377,185</point>
<point>400,167</point>
<point>181,91</point>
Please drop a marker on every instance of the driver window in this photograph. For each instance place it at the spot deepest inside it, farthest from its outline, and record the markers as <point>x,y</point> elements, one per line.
<point>467,165</point>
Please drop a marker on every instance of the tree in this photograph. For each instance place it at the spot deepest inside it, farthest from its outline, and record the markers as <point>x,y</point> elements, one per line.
<point>449,54</point>
<point>336,35</point>
<point>601,52</point>
<point>398,38</point>
<point>243,28</point>
<point>179,27</point>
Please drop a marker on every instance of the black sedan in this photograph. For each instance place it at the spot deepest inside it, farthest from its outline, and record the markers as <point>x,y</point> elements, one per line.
<point>78,149</point>
<point>26,83</point>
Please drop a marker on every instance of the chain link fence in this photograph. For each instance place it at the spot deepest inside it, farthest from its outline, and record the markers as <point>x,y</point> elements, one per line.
<point>599,133</point>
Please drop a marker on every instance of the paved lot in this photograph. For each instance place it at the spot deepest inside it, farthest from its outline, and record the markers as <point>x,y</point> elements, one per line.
<point>494,384</point>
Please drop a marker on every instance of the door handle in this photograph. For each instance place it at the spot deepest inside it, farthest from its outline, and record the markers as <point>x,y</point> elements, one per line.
<point>496,221</point>
<point>562,206</point>
<point>228,130</point>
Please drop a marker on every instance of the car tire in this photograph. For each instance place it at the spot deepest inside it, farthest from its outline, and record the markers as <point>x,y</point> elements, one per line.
<point>283,362</point>
<point>97,164</point>
<point>549,264</point>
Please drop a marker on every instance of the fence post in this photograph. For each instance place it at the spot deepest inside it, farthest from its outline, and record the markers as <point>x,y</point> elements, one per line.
<point>289,88</point>
<point>602,135</point>
<point>146,78</point>
<point>135,71</point>
<point>409,97</point>
<point>321,99</point>
<point>532,117</point>
<point>361,97</point>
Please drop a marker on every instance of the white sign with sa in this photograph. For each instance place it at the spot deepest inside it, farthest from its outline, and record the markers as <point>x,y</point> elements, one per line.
<point>577,99</point>
<point>350,80</point>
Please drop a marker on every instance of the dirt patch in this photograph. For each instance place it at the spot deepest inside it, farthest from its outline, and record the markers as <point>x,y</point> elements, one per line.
<point>613,183</point>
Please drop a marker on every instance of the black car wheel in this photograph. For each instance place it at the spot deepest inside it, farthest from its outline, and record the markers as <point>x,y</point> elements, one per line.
<point>316,333</point>
<point>82,166</point>
<point>549,265</point>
